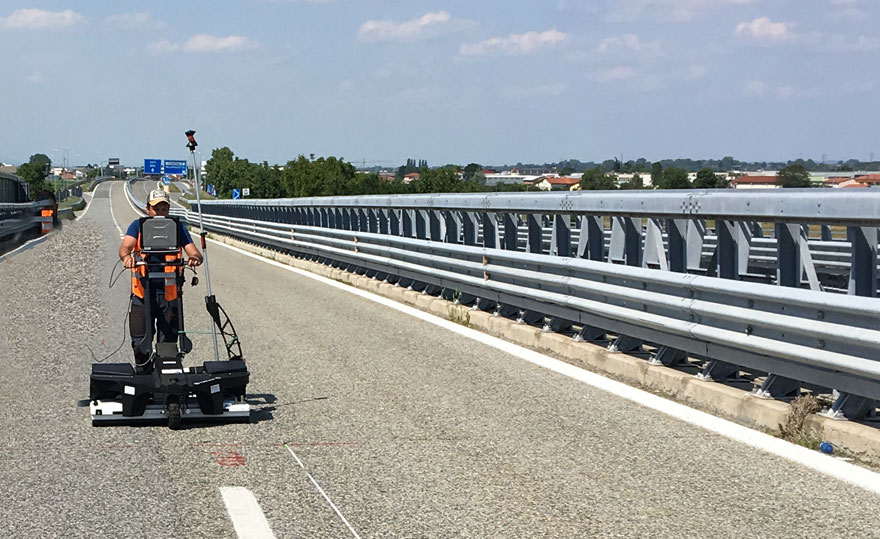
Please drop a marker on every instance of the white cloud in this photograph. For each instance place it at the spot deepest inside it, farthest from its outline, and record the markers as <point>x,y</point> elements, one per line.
<point>130,21</point>
<point>427,26</point>
<point>203,43</point>
<point>209,43</point>
<point>629,43</point>
<point>36,77</point>
<point>522,93</point>
<point>846,43</point>
<point>162,46</point>
<point>782,92</point>
<point>763,29</point>
<point>665,10</point>
<point>755,88</point>
<point>616,73</point>
<point>36,19</point>
<point>514,43</point>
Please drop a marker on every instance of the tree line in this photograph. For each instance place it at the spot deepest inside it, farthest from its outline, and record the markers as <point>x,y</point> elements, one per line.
<point>331,176</point>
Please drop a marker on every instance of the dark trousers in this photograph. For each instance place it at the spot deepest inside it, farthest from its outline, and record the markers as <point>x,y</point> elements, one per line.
<point>164,321</point>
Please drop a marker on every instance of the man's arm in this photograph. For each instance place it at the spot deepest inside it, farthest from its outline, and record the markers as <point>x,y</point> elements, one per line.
<point>125,249</point>
<point>193,254</point>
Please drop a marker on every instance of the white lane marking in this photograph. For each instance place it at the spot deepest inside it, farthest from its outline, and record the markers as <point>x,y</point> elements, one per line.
<point>244,511</point>
<point>88,204</point>
<point>115,222</point>
<point>324,494</point>
<point>824,464</point>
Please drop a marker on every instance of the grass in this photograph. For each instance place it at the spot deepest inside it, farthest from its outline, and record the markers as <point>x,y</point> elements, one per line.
<point>793,430</point>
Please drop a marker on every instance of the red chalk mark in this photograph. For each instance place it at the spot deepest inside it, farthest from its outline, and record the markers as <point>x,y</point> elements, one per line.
<point>229,458</point>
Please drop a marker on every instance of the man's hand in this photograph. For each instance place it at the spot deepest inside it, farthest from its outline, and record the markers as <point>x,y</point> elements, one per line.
<point>194,261</point>
<point>129,261</point>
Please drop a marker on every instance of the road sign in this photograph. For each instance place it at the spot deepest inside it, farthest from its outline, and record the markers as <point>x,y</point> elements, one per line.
<point>167,180</point>
<point>236,194</point>
<point>175,167</point>
<point>246,191</point>
<point>113,161</point>
<point>152,166</point>
<point>210,189</point>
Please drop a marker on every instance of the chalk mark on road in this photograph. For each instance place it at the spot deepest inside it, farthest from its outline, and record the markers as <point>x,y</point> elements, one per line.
<point>324,494</point>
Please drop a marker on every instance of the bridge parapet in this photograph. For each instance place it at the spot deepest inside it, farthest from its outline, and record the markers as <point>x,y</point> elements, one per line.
<point>684,274</point>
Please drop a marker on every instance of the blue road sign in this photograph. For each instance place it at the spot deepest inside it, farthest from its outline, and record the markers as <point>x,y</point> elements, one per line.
<point>152,166</point>
<point>175,167</point>
<point>236,194</point>
<point>167,180</point>
<point>210,189</point>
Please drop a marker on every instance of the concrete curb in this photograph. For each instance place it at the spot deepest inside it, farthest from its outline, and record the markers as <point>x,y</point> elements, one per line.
<point>725,401</point>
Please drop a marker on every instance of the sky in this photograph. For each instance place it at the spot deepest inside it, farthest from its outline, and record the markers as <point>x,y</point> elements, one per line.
<point>451,81</point>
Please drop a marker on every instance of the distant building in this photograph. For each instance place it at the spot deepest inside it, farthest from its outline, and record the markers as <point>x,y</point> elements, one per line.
<point>408,178</point>
<point>754,182</point>
<point>558,183</point>
<point>626,179</point>
<point>508,177</point>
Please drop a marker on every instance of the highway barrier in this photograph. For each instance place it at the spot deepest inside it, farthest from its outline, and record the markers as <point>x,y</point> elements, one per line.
<point>685,274</point>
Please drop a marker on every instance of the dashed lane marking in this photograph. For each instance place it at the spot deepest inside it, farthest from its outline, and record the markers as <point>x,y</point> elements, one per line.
<point>245,513</point>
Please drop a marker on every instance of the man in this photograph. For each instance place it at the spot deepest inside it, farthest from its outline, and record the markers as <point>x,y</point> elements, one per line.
<point>163,314</point>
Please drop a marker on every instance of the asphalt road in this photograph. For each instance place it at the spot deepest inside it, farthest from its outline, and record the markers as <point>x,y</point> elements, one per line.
<point>410,430</point>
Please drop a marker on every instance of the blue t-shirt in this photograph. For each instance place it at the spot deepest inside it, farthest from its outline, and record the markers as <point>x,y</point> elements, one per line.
<point>182,233</point>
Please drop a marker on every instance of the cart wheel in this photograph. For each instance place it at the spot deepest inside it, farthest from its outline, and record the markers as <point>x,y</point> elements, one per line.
<point>173,415</point>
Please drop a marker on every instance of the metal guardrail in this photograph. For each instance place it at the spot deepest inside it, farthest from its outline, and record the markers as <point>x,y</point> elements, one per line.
<point>471,244</point>
<point>19,222</point>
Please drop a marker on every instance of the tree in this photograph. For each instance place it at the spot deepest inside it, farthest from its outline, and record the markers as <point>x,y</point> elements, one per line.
<point>635,183</point>
<point>675,178</point>
<point>656,173</point>
<point>596,180</point>
<point>706,179</point>
<point>793,176</point>
<point>34,172</point>
<point>471,170</point>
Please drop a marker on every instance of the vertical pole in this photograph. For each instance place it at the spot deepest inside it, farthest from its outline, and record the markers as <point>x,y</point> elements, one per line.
<point>203,234</point>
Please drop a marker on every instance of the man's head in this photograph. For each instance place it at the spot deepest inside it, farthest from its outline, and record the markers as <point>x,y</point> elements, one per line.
<point>159,203</point>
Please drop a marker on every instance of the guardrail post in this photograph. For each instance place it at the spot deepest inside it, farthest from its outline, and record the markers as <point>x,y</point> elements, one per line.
<point>453,226</point>
<point>826,234</point>
<point>560,241</point>
<point>508,221</point>
<point>626,241</point>
<point>676,236</point>
<point>696,236</point>
<point>343,219</point>
<point>408,216</point>
<point>863,268</point>
<point>535,240</point>
<point>382,216</point>
<point>469,226</point>
<point>435,226</point>
<point>789,268</point>
<point>490,231</point>
<point>394,222</point>
<point>733,248</point>
<point>420,218</point>
<point>654,250</point>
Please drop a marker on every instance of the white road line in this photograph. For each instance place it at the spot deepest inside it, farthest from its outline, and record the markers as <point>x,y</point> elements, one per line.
<point>830,466</point>
<point>324,494</point>
<point>88,205</point>
<point>244,511</point>
<point>115,222</point>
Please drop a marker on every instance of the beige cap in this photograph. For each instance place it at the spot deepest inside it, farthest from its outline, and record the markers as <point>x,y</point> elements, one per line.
<point>157,196</point>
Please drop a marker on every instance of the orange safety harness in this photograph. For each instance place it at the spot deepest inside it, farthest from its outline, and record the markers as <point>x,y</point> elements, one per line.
<point>139,272</point>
